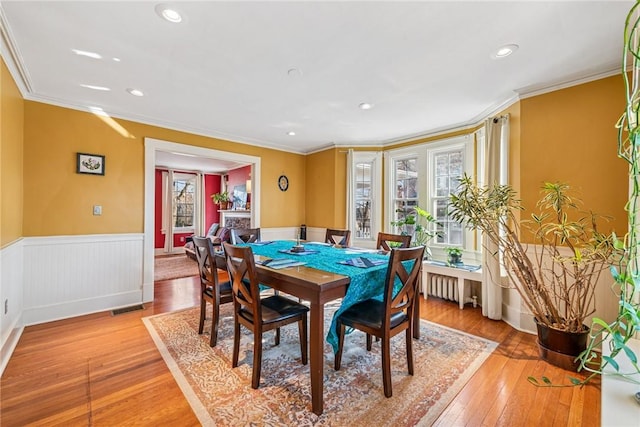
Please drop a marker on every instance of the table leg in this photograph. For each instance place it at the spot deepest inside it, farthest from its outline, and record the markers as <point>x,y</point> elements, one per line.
<point>316,356</point>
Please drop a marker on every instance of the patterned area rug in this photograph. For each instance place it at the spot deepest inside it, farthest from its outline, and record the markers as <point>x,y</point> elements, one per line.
<point>444,360</point>
<point>174,267</point>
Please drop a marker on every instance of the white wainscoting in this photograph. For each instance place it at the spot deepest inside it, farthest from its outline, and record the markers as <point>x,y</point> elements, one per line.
<point>68,276</point>
<point>11,279</point>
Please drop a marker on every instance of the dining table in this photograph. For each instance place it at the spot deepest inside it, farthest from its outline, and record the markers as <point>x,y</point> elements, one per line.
<point>319,273</point>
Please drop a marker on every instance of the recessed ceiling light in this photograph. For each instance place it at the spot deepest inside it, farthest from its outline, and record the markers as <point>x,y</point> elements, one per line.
<point>294,72</point>
<point>365,106</point>
<point>87,53</point>
<point>168,13</point>
<point>116,59</point>
<point>135,92</point>
<point>95,87</point>
<point>291,133</point>
<point>504,51</point>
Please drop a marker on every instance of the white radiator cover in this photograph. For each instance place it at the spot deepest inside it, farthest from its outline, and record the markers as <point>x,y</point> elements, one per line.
<point>444,287</point>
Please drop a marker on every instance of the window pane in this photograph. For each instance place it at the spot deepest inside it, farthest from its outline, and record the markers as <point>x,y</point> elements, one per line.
<point>363,199</point>
<point>183,203</point>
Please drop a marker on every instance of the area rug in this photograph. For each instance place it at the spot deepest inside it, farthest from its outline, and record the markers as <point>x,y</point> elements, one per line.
<point>444,360</point>
<point>174,267</point>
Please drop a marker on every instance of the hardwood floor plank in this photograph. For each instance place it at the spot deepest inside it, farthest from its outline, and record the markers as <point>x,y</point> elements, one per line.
<point>101,369</point>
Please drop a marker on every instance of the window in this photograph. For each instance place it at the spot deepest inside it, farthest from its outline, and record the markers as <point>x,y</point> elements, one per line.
<point>184,201</point>
<point>406,188</point>
<point>447,169</point>
<point>425,175</point>
<point>363,199</point>
<point>364,209</point>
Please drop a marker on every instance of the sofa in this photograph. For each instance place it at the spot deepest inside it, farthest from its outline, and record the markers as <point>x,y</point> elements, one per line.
<point>217,235</point>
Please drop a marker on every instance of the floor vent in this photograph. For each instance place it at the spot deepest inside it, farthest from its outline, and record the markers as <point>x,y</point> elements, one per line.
<point>127,309</point>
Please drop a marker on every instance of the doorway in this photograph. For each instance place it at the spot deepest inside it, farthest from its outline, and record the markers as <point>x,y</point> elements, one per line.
<point>153,149</point>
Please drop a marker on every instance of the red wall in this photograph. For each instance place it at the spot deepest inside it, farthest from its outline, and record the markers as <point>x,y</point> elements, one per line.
<point>211,186</point>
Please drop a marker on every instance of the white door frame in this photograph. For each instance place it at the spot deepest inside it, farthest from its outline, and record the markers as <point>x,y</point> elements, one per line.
<point>151,146</point>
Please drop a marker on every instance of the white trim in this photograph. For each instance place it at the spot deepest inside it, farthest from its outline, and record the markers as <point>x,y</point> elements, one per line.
<point>375,158</point>
<point>151,146</point>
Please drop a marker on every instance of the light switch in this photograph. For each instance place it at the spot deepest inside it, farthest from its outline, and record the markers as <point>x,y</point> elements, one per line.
<point>97,210</point>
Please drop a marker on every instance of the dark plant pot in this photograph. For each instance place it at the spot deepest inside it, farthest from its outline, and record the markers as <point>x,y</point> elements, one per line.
<point>561,348</point>
<point>455,259</point>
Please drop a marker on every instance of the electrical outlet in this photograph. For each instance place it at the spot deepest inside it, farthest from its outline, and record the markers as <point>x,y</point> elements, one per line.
<point>97,210</point>
<point>6,306</point>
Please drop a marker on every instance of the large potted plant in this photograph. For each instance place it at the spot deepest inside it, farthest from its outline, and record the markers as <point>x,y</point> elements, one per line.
<point>556,275</point>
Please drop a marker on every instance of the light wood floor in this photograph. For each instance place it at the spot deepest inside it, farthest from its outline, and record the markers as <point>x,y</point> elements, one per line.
<point>103,370</point>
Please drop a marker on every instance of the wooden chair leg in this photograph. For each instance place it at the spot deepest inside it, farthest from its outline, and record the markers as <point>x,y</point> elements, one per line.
<point>257,358</point>
<point>386,366</point>
<point>215,316</point>
<point>369,342</point>
<point>277,342</point>
<point>337,359</point>
<point>236,343</point>
<point>410,350</point>
<point>302,329</point>
<point>203,312</point>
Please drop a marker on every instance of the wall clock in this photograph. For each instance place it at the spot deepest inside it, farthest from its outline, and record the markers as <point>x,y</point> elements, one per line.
<point>283,183</point>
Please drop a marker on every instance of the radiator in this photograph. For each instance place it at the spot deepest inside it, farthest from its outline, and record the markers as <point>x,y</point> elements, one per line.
<point>444,287</point>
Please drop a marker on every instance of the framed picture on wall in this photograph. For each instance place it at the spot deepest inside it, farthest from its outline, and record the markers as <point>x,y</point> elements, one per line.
<point>92,164</point>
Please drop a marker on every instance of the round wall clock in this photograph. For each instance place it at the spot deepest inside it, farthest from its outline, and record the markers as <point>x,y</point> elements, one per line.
<point>283,183</point>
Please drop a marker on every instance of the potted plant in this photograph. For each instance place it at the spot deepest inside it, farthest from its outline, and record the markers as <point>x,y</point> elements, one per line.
<point>454,255</point>
<point>557,277</point>
<point>221,199</point>
<point>420,225</point>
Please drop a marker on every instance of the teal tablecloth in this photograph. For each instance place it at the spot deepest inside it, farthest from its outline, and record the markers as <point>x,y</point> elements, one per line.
<point>365,283</point>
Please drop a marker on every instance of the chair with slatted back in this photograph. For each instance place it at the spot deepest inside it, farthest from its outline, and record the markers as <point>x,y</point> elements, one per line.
<point>245,235</point>
<point>258,314</point>
<point>338,237</point>
<point>212,291</point>
<point>389,317</point>
<point>396,240</point>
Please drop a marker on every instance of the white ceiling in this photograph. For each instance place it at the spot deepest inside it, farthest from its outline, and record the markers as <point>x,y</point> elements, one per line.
<point>225,70</point>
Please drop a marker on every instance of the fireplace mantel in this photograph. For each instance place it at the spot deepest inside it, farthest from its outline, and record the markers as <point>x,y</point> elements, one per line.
<point>235,218</point>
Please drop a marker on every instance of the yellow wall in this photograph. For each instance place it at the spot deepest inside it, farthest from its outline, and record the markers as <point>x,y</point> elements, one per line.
<point>58,201</point>
<point>569,136</point>
<point>11,158</point>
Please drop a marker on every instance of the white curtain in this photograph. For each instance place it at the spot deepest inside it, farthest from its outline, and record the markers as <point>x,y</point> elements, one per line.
<point>167,209</point>
<point>350,193</point>
<point>200,226</point>
<point>495,150</point>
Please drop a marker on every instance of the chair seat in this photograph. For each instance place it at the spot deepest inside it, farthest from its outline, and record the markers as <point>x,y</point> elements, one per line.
<point>370,313</point>
<point>225,289</point>
<point>276,308</point>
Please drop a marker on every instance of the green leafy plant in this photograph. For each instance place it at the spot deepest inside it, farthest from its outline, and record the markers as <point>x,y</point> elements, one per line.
<point>626,274</point>
<point>219,198</point>
<point>453,251</point>
<point>420,224</point>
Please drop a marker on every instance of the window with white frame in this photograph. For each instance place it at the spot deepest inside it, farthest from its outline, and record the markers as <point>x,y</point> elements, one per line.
<point>405,197</point>
<point>364,207</point>
<point>447,167</point>
<point>425,175</point>
<point>184,201</point>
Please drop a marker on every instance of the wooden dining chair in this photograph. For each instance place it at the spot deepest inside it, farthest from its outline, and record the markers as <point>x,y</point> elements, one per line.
<point>211,290</point>
<point>245,235</point>
<point>389,317</point>
<point>338,237</point>
<point>257,314</point>
<point>385,238</point>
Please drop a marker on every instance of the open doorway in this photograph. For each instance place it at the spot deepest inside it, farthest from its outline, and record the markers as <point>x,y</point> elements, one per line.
<point>157,149</point>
